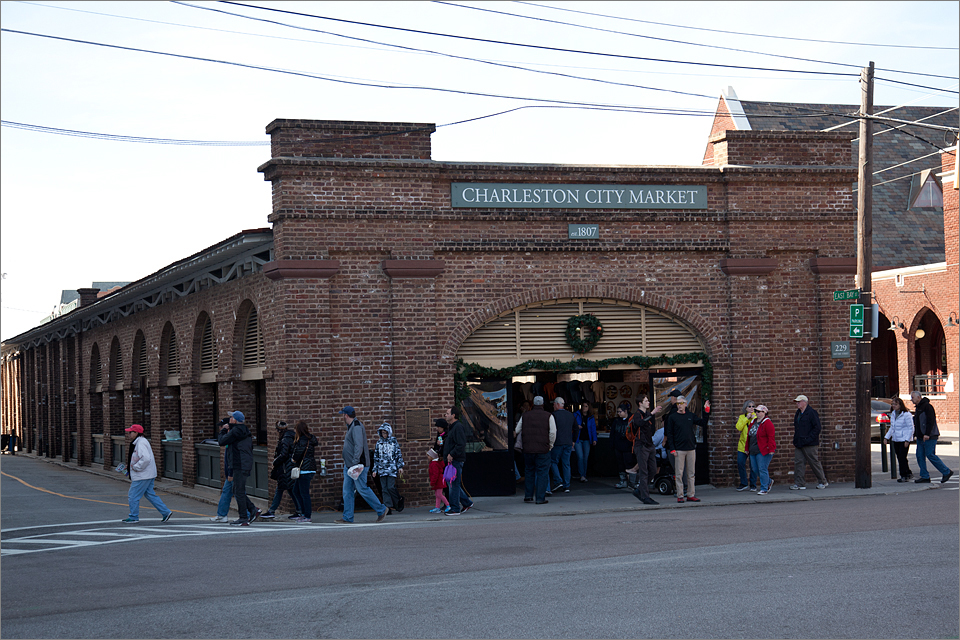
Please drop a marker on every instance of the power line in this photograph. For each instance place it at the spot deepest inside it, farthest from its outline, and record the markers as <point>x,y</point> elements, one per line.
<point>539,47</point>
<point>921,86</point>
<point>122,138</point>
<point>670,40</point>
<point>739,33</point>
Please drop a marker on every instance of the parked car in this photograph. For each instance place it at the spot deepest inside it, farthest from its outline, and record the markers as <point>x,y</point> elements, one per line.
<point>879,418</point>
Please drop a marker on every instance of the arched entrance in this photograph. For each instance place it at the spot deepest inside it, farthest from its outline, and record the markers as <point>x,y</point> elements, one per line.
<point>528,351</point>
<point>885,369</point>
<point>930,355</point>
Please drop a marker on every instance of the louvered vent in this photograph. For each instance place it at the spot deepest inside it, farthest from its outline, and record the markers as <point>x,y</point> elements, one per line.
<point>142,359</point>
<point>253,356</point>
<point>97,372</point>
<point>208,355</point>
<point>116,374</point>
<point>173,361</point>
<point>537,332</point>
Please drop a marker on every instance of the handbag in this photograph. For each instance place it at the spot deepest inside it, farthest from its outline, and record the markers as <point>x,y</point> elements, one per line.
<point>449,473</point>
<point>295,473</point>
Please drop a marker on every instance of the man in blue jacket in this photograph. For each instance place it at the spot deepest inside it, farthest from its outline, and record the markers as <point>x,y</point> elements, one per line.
<point>806,442</point>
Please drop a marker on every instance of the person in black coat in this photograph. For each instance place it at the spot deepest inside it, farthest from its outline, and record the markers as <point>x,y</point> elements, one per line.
<point>622,447</point>
<point>280,471</point>
<point>680,440</point>
<point>238,437</point>
<point>303,458</point>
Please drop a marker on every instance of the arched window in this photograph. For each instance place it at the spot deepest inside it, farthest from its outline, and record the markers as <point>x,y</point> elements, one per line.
<point>116,366</point>
<point>171,358</point>
<point>96,370</point>
<point>208,354</point>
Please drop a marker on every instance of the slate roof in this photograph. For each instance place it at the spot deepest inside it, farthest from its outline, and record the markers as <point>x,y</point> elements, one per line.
<point>901,237</point>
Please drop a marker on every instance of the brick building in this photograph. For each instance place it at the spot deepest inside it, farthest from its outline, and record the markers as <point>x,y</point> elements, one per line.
<point>914,275</point>
<point>399,284</point>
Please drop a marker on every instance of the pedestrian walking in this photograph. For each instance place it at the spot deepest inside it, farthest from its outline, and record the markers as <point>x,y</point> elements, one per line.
<point>356,463</point>
<point>304,460</point>
<point>388,467</point>
<point>585,437</point>
<point>437,483</point>
<point>927,433</point>
<point>226,490</point>
<point>681,441</point>
<point>806,442</point>
<point>900,433</point>
<point>238,438</point>
<point>562,446</point>
<point>761,445</point>
<point>744,422</point>
<point>280,472</point>
<point>537,431</point>
<point>622,447</point>
<point>142,471</point>
<point>455,453</point>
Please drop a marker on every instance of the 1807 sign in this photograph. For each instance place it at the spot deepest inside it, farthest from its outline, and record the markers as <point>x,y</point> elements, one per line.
<point>583,231</point>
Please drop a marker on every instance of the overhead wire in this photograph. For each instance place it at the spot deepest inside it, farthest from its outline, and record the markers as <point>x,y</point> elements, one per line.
<point>738,33</point>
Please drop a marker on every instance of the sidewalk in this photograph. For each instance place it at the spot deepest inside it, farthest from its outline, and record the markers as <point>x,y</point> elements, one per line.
<point>598,495</point>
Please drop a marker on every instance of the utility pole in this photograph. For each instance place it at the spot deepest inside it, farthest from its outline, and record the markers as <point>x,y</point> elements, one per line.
<point>864,267</point>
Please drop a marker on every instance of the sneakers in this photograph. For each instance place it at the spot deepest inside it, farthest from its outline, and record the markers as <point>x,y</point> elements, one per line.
<point>946,476</point>
<point>679,499</point>
<point>770,486</point>
<point>650,501</point>
<point>823,485</point>
<point>583,478</point>
<point>167,517</point>
<point>134,521</point>
<point>451,512</point>
<point>549,493</point>
<point>255,515</point>
<point>303,520</point>
<point>342,521</point>
<point>620,485</point>
<point>693,499</point>
<point>544,501</point>
<point>797,487</point>
<point>528,499</point>
<point>240,523</point>
<point>269,515</point>
<point>753,488</point>
<point>567,489</point>
<point>922,480</point>
<point>219,519</point>
<point>447,509</point>
<point>294,516</point>
<point>436,510</point>
<point>467,508</point>
<point>382,516</point>
<point>558,487</point>
<point>742,488</point>
<point>762,492</point>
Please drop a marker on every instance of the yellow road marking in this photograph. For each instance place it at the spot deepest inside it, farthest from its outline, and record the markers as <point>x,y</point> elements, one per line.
<point>121,504</point>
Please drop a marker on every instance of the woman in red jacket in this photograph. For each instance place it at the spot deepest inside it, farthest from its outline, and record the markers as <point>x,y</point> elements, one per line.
<point>761,445</point>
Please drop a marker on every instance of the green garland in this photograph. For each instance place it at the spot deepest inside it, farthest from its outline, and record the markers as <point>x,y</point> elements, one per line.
<point>587,325</point>
<point>466,370</point>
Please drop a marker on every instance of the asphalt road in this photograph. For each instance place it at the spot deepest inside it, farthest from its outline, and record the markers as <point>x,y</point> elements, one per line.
<point>881,566</point>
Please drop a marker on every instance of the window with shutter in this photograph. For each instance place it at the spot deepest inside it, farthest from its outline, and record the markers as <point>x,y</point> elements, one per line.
<point>142,359</point>
<point>173,361</point>
<point>208,354</point>
<point>254,360</point>
<point>537,332</point>
<point>97,371</point>
<point>116,373</point>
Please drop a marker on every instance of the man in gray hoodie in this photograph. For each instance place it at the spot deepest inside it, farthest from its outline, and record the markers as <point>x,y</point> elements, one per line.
<point>356,452</point>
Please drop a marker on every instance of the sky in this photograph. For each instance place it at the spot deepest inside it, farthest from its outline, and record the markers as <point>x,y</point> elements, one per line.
<point>609,83</point>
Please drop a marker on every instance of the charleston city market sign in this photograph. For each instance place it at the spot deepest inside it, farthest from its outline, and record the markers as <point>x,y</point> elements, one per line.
<point>577,196</point>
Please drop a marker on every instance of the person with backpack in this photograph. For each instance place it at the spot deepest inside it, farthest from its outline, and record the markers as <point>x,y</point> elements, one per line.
<point>641,426</point>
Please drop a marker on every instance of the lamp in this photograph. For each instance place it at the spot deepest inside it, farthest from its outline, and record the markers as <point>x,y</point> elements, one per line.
<point>952,319</point>
<point>920,333</point>
<point>895,324</point>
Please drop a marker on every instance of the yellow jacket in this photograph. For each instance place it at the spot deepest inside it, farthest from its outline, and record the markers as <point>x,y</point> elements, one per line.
<point>743,424</point>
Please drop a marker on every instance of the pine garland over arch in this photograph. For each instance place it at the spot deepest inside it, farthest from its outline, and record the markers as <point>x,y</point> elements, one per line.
<point>466,370</point>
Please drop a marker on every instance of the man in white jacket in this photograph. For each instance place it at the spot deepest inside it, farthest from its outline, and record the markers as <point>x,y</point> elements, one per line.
<point>142,470</point>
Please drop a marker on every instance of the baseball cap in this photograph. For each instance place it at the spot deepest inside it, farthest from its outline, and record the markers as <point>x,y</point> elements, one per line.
<point>236,415</point>
<point>348,410</point>
<point>763,407</point>
<point>675,393</point>
<point>800,398</point>
<point>134,427</point>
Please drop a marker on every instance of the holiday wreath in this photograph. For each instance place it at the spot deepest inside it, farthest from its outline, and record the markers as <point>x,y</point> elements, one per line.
<point>583,332</point>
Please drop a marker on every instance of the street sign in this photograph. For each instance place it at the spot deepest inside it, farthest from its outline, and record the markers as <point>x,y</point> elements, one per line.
<point>856,321</point>
<point>852,294</point>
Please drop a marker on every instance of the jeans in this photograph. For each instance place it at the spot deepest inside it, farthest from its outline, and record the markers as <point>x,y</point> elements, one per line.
<point>647,464</point>
<point>226,495</point>
<point>301,489</point>
<point>560,464</point>
<point>927,450</point>
<point>583,453</point>
<point>742,468</point>
<point>761,463</point>
<point>458,497</point>
<point>278,496</point>
<point>388,488</point>
<point>360,486</point>
<point>538,470</point>
<point>803,456</point>
<point>144,488</point>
